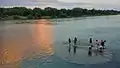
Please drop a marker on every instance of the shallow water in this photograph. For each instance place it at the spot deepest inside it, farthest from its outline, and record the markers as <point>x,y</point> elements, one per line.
<point>42,45</point>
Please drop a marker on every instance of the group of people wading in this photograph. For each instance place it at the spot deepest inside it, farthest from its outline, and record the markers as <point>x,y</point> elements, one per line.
<point>99,46</point>
<point>74,46</point>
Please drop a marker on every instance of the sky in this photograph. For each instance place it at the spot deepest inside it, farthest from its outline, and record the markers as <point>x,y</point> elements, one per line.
<point>97,4</point>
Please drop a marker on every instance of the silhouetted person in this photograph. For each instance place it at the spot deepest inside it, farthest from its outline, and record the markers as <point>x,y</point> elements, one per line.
<point>90,40</point>
<point>69,40</point>
<point>103,43</point>
<point>75,41</point>
<point>97,42</point>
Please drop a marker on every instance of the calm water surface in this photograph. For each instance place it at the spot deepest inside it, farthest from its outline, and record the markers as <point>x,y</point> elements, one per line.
<point>42,45</point>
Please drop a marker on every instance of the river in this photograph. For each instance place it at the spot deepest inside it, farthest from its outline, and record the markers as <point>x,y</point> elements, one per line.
<point>44,45</point>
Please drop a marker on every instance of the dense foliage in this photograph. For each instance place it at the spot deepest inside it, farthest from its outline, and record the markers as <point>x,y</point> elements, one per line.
<point>50,12</point>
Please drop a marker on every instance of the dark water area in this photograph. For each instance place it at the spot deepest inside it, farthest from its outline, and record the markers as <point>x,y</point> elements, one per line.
<point>45,46</point>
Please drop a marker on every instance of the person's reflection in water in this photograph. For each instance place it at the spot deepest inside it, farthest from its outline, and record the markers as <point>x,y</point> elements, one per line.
<point>74,49</point>
<point>69,48</point>
<point>90,51</point>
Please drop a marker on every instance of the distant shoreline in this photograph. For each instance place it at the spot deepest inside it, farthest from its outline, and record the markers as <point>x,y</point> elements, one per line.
<point>34,21</point>
<point>23,13</point>
<point>57,18</point>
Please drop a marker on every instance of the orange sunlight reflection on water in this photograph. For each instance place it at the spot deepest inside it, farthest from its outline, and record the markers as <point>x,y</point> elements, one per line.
<point>23,41</point>
<point>43,36</point>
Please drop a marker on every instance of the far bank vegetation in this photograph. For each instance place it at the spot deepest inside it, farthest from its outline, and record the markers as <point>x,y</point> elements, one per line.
<point>23,13</point>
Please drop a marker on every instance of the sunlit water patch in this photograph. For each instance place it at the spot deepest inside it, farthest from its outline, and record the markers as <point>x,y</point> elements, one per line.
<point>26,42</point>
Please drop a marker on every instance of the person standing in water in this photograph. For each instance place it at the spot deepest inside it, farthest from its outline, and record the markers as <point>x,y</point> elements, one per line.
<point>75,40</point>
<point>97,44</point>
<point>90,40</point>
<point>69,49</point>
<point>103,43</point>
<point>69,40</point>
<point>75,45</point>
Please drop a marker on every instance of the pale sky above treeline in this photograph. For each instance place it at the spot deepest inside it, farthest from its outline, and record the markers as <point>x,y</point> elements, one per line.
<point>97,4</point>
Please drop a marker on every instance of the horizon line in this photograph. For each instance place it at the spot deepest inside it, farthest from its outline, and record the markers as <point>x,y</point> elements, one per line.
<point>32,7</point>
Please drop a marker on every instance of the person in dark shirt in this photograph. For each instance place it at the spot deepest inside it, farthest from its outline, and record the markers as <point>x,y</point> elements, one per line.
<point>69,40</point>
<point>75,40</point>
<point>90,40</point>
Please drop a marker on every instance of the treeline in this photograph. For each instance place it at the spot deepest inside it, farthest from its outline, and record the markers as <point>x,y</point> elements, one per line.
<point>49,12</point>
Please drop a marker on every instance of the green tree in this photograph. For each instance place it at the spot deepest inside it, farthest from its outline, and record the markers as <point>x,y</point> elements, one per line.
<point>77,12</point>
<point>18,12</point>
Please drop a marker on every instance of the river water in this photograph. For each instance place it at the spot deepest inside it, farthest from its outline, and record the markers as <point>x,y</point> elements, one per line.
<point>45,45</point>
